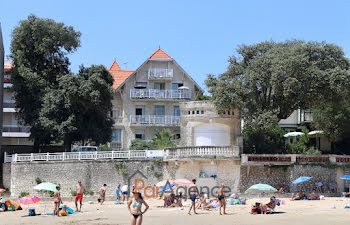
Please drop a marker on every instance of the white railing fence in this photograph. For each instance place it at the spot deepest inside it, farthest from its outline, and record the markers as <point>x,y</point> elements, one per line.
<point>159,94</point>
<point>153,119</point>
<point>201,151</point>
<point>169,153</point>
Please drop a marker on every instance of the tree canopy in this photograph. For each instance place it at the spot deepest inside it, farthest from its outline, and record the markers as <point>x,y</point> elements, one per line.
<point>39,50</point>
<point>78,110</point>
<point>277,78</point>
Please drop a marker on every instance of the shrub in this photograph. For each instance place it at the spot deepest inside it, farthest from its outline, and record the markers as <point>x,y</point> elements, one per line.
<point>23,194</point>
<point>105,148</point>
<point>158,174</point>
<point>123,171</point>
<point>89,192</point>
<point>118,165</point>
<point>158,162</point>
<point>38,180</point>
<point>313,151</point>
<point>151,167</point>
<point>73,193</point>
<point>138,144</point>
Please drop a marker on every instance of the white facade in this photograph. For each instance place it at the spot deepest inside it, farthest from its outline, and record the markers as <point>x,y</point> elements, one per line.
<point>13,133</point>
<point>147,101</point>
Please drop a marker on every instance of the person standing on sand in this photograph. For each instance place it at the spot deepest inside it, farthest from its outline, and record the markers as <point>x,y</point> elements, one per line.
<point>102,193</point>
<point>193,191</point>
<point>79,196</point>
<point>221,198</point>
<point>117,192</point>
<point>57,200</point>
<point>134,206</point>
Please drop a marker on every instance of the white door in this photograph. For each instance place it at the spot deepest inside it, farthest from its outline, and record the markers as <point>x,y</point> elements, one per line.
<point>212,135</point>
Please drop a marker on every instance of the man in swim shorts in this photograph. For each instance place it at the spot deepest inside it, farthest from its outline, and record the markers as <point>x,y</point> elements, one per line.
<point>193,191</point>
<point>79,196</point>
<point>221,198</point>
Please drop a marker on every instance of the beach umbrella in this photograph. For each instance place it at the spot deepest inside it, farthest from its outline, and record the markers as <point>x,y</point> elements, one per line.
<point>346,177</point>
<point>163,182</point>
<point>165,188</point>
<point>315,132</point>
<point>301,180</point>
<point>260,188</point>
<point>29,199</point>
<point>46,186</point>
<point>2,190</point>
<point>182,182</point>
<point>293,134</point>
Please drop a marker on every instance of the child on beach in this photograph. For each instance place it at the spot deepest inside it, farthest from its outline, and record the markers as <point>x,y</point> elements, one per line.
<point>57,200</point>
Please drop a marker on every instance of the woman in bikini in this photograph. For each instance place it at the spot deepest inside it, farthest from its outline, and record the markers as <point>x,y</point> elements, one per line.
<point>57,200</point>
<point>134,206</point>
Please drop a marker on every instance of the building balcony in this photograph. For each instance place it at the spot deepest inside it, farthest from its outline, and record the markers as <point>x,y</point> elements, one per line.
<point>153,94</point>
<point>153,120</point>
<point>160,74</point>
<point>15,131</point>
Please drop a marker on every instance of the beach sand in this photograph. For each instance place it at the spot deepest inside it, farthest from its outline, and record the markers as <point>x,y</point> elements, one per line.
<point>293,212</point>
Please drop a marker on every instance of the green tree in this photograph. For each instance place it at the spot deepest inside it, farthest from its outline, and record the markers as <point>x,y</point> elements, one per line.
<point>78,110</point>
<point>138,144</point>
<point>164,139</point>
<point>278,78</point>
<point>39,50</point>
<point>269,80</point>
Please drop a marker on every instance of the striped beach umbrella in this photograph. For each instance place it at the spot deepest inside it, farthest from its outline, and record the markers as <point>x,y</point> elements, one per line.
<point>182,182</point>
<point>29,199</point>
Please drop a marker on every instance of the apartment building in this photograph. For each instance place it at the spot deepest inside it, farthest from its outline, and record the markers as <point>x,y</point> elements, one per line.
<point>147,100</point>
<point>298,120</point>
<point>13,133</point>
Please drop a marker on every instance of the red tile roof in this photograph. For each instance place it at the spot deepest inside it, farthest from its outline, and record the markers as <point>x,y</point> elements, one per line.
<point>160,54</point>
<point>118,74</point>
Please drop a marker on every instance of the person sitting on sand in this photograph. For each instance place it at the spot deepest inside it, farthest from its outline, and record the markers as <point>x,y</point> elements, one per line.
<point>269,206</point>
<point>202,201</point>
<point>212,205</point>
<point>57,200</point>
<point>177,202</point>
<point>169,200</point>
<point>313,195</point>
<point>319,185</point>
<point>332,186</point>
<point>300,195</point>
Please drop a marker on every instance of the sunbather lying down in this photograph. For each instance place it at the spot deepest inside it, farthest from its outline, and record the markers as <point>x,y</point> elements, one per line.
<point>211,205</point>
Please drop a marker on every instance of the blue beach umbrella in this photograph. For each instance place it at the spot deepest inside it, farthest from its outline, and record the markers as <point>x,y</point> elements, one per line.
<point>165,188</point>
<point>346,177</point>
<point>301,180</point>
<point>260,188</point>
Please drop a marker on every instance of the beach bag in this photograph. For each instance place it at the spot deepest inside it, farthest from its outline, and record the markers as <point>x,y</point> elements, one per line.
<point>3,206</point>
<point>31,212</point>
<point>11,208</point>
<point>63,213</point>
<point>254,210</point>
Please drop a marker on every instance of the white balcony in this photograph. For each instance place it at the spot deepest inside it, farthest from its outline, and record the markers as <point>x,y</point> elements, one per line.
<point>159,74</point>
<point>159,94</point>
<point>165,120</point>
<point>15,131</point>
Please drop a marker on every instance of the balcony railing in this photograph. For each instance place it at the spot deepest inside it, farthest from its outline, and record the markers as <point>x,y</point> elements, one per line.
<point>159,73</point>
<point>159,94</point>
<point>155,120</point>
<point>9,105</point>
<point>15,128</point>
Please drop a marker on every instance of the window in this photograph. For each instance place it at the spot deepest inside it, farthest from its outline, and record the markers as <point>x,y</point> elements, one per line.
<point>115,113</point>
<point>202,112</point>
<point>159,110</point>
<point>140,110</point>
<point>159,86</point>
<point>176,110</point>
<point>141,84</point>
<point>117,135</point>
<point>175,86</point>
<point>177,136</point>
<point>197,111</point>
<point>140,134</point>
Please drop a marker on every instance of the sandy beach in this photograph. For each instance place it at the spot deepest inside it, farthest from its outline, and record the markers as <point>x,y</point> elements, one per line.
<point>293,212</point>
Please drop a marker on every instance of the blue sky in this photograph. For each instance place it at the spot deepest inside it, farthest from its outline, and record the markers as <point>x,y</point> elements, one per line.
<point>199,35</point>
